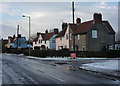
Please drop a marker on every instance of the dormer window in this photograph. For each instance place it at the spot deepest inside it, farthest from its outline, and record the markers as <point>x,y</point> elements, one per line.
<point>94,33</point>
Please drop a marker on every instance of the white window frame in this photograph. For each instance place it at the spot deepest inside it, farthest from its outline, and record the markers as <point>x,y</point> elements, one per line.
<point>110,47</point>
<point>70,36</point>
<point>53,40</point>
<point>78,36</point>
<point>94,33</point>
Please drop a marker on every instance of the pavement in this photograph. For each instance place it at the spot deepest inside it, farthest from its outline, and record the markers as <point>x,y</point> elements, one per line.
<point>109,68</point>
<point>18,69</point>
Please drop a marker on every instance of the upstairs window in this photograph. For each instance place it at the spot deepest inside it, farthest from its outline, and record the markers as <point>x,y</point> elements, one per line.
<point>70,36</point>
<point>45,41</point>
<point>39,41</point>
<point>60,39</point>
<point>66,36</point>
<point>35,42</point>
<point>78,36</point>
<point>53,40</point>
<point>94,33</point>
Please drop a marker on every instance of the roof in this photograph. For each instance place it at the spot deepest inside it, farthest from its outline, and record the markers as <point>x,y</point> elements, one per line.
<point>45,36</point>
<point>12,39</point>
<point>62,33</point>
<point>117,42</point>
<point>85,26</point>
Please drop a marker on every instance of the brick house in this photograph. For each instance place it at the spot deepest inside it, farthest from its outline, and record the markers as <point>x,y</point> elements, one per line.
<point>45,40</point>
<point>91,35</point>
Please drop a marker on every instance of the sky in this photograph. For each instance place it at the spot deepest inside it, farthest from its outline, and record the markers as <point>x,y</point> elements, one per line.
<point>50,15</point>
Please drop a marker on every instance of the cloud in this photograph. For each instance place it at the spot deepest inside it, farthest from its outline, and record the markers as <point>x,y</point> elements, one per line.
<point>6,9</point>
<point>47,17</point>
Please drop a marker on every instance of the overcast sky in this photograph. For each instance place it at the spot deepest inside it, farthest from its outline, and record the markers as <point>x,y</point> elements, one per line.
<point>49,15</point>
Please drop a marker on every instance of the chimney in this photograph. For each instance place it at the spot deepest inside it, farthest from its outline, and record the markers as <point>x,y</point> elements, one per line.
<point>78,21</point>
<point>38,33</point>
<point>19,35</point>
<point>64,26</point>
<point>97,17</point>
<point>46,31</point>
<point>13,36</point>
<point>9,37</point>
<point>56,31</point>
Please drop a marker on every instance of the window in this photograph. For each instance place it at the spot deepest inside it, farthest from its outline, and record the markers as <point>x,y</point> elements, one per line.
<point>94,33</point>
<point>70,36</point>
<point>45,41</point>
<point>66,36</point>
<point>53,40</point>
<point>110,47</point>
<point>78,36</point>
<point>39,41</point>
<point>60,39</point>
<point>72,48</point>
<point>82,47</point>
<point>65,46</point>
<point>35,42</point>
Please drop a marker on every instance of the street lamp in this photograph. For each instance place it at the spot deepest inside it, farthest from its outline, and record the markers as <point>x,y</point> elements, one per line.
<point>29,31</point>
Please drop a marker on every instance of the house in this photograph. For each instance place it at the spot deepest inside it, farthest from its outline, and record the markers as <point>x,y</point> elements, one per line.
<point>93,35</point>
<point>3,42</point>
<point>45,40</point>
<point>17,42</point>
<point>117,45</point>
<point>63,38</point>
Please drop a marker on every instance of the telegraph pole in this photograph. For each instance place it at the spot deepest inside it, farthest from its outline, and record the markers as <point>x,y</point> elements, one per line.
<point>73,28</point>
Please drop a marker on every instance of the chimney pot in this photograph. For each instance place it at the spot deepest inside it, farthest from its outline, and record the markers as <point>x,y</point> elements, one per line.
<point>64,26</point>
<point>56,30</point>
<point>97,17</point>
<point>46,31</point>
<point>78,21</point>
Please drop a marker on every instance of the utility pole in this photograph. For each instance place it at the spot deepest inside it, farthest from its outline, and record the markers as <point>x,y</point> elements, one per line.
<point>17,34</point>
<point>73,28</point>
<point>29,31</point>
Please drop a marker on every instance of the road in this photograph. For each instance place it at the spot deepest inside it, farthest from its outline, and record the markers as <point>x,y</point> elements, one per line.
<point>21,70</point>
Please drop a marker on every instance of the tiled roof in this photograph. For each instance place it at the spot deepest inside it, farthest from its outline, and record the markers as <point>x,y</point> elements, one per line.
<point>85,26</point>
<point>45,36</point>
<point>12,39</point>
<point>62,33</point>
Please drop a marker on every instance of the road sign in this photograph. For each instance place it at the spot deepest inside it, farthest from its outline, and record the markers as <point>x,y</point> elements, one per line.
<point>73,55</point>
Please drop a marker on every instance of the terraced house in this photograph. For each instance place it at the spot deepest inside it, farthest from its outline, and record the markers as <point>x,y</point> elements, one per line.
<point>93,35</point>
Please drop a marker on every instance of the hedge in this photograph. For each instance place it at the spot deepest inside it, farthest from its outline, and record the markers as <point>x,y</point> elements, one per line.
<point>65,53</point>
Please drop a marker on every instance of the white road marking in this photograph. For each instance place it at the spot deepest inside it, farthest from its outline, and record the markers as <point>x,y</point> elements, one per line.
<point>57,78</point>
